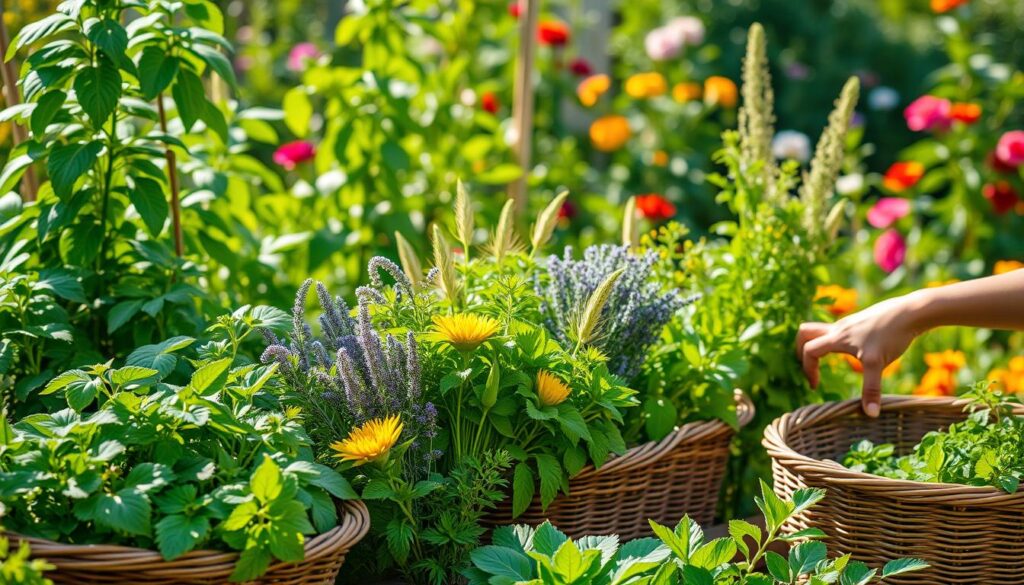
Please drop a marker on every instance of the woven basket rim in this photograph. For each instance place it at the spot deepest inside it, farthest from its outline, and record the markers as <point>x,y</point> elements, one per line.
<point>829,472</point>
<point>353,525</point>
<point>647,453</point>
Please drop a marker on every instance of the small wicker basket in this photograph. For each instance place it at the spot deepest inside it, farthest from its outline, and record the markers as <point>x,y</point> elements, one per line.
<point>967,534</point>
<point>661,480</point>
<point>121,565</point>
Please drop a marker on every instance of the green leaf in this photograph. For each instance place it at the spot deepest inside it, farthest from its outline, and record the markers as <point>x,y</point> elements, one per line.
<point>127,511</point>
<point>550,477</point>
<point>217,61</point>
<point>805,556</point>
<point>98,88</point>
<point>325,514</point>
<point>240,516</point>
<point>502,562</point>
<point>395,157</point>
<point>714,553</point>
<point>46,108</point>
<point>110,37</point>
<point>501,174</point>
<point>547,539</point>
<point>574,460</point>
<point>901,566</point>
<point>334,483</point>
<point>252,563</point>
<point>130,374</point>
<point>776,511</point>
<point>39,30</point>
<point>178,534</point>
<point>190,98</point>
<point>121,312</point>
<point>572,423</point>
<point>211,377</point>
<point>286,544</point>
<point>80,394</point>
<point>156,71</point>
<point>377,489</point>
<point>266,482</point>
<point>80,245</point>
<point>159,356</point>
<point>61,283</point>
<point>68,162</point>
<point>298,111</point>
<point>857,573</point>
<point>522,489</point>
<point>148,198</point>
<point>739,530</point>
<point>661,417</point>
<point>778,567</point>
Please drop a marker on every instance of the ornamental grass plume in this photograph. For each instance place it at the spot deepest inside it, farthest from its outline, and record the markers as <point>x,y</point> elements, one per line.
<point>464,331</point>
<point>504,239</point>
<point>370,441</point>
<point>630,225</point>
<point>550,390</point>
<point>463,217</point>
<point>410,261</point>
<point>756,116</point>
<point>546,222</point>
<point>631,317</point>
<point>444,261</point>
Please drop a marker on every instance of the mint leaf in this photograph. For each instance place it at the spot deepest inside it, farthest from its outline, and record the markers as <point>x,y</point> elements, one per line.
<point>178,534</point>
<point>522,489</point>
<point>252,563</point>
<point>127,511</point>
<point>266,481</point>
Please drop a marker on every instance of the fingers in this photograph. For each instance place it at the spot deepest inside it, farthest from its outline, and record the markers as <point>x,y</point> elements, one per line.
<point>871,394</point>
<point>807,332</point>
<point>813,350</point>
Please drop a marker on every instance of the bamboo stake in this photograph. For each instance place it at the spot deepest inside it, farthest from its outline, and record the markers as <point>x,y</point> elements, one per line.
<point>29,186</point>
<point>172,177</point>
<point>523,100</point>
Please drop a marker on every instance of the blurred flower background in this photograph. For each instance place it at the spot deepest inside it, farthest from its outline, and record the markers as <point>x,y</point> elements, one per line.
<point>352,121</point>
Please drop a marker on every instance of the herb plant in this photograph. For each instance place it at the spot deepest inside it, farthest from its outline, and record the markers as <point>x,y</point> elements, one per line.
<point>678,556</point>
<point>984,449</point>
<point>134,459</point>
<point>18,568</point>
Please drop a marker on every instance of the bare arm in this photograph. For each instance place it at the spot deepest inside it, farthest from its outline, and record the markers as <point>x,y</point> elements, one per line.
<point>881,333</point>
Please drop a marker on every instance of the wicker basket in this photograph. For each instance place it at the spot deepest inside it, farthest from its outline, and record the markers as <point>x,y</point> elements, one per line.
<point>105,564</point>
<point>661,480</point>
<point>968,534</point>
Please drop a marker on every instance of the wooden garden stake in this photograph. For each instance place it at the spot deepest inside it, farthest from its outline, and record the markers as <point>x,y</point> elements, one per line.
<point>523,98</point>
<point>10,78</point>
<point>172,177</point>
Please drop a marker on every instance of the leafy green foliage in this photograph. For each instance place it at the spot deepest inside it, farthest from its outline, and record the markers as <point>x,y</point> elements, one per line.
<point>678,556</point>
<point>18,568</point>
<point>138,460</point>
<point>984,449</point>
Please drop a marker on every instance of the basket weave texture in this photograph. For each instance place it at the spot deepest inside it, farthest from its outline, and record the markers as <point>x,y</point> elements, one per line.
<point>121,565</point>
<point>968,534</point>
<point>661,480</point>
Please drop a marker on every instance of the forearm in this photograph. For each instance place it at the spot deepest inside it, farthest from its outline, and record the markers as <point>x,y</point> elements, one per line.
<point>994,302</point>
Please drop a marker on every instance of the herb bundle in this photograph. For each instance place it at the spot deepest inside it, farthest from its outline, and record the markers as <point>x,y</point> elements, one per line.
<point>137,460</point>
<point>985,449</point>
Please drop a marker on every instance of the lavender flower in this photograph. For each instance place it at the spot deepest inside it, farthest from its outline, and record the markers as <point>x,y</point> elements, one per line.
<point>633,317</point>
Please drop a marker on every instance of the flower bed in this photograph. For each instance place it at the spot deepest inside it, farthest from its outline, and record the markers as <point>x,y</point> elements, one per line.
<point>968,534</point>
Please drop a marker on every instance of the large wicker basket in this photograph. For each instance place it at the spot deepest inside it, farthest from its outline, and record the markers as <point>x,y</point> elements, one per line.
<point>121,565</point>
<point>967,534</point>
<point>661,480</point>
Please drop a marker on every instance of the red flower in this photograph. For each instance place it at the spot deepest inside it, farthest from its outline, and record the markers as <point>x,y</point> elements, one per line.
<point>902,176</point>
<point>580,66</point>
<point>655,207</point>
<point>1001,195</point>
<point>890,250</point>
<point>489,102</point>
<point>514,9</point>
<point>291,154</point>
<point>567,211</point>
<point>1010,149</point>
<point>965,112</point>
<point>553,32</point>
<point>998,165</point>
<point>928,113</point>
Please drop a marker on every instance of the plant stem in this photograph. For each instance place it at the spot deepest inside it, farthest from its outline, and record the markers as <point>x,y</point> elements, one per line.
<point>172,177</point>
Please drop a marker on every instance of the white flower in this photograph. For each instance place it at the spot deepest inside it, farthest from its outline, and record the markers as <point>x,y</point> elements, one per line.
<point>790,144</point>
<point>850,184</point>
<point>689,28</point>
<point>331,181</point>
<point>883,98</point>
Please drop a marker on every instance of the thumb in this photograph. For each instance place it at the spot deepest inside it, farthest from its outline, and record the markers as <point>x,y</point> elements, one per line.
<point>871,393</point>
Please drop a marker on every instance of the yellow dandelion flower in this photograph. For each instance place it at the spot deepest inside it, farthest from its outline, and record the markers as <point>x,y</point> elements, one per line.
<point>550,389</point>
<point>687,91</point>
<point>646,85</point>
<point>465,331</point>
<point>369,442</point>
<point>592,88</point>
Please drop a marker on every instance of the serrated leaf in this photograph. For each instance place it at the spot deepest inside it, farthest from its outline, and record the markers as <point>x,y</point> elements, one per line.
<point>177,534</point>
<point>120,313</point>
<point>110,37</point>
<point>211,377</point>
<point>502,562</point>
<point>68,162</point>
<point>901,566</point>
<point>98,88</point>
<point>778,566</point>
<point>266,483</point>
<point>156,71</point>
<point>550,477</point>
<point>148,198</point>
<point>127,511</point>
<point>190,98</point>
<point>522,489</point>
<point>252,563</point>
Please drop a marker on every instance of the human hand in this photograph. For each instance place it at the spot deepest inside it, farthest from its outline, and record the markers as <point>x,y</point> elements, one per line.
<point>876,336</point>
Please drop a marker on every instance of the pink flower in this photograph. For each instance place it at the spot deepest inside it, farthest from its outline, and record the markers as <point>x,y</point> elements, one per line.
<point>890,248</point>
<point>928,113</point>
<point>887,211</point>
<point>291,154</point>
<point>301,53</point>
<point>1010,150</point>
<point>663,44</point>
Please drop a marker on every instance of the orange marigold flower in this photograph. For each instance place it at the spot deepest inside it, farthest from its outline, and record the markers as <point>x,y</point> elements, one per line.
<point>965,112</point>
<point>937,382</point>
<point>902,176</point>
<point>940,6</point>
<point>655,207</point>
<point>1004,266</point>
<point>720,91</point>
<point>858,367</point>
<point>592,88</point>
<point>660,158</point>
<point>550,390</point>
<point>489,102</point>
<point>609,133</point>
<point>686,91</point>
<point>554,33</point>
<point>844,300</point>
<point>646,85</point>
<point>950,359</point>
